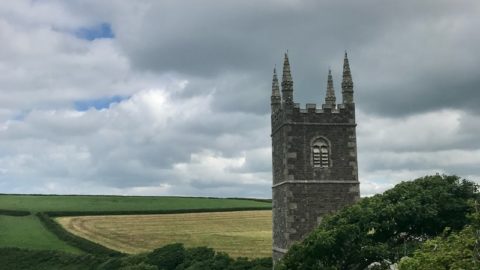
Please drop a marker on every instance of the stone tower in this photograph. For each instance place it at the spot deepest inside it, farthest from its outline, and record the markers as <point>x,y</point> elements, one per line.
<point>314,156</point>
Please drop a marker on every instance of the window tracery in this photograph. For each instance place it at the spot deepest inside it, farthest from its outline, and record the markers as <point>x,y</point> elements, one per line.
<point>320,153</point>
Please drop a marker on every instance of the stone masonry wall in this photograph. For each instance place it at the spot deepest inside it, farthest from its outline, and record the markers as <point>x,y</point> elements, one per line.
<point>299,208</point>
<point>302,194</point>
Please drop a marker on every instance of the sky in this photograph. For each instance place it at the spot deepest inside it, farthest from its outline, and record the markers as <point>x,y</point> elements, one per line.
<point>173,97</point>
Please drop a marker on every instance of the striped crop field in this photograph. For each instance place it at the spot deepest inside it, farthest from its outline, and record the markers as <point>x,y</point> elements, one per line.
<point>240,233</point>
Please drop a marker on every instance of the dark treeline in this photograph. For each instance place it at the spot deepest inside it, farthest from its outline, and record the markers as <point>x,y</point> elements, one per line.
<point>170,257</point>
<point>150,212</point>
<point>15,213</point>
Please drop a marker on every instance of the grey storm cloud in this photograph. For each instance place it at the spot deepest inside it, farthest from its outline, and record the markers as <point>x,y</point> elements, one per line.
<point>406,56</point>
<point>197,75</point>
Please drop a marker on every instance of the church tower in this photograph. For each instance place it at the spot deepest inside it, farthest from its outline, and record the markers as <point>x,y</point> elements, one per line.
<point>314,155</point>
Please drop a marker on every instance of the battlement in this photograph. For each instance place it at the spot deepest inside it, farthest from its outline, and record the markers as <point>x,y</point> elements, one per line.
<point>312,108</point>
<point>310,113</point>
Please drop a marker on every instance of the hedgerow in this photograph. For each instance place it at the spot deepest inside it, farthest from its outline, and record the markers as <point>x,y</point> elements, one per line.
<point>76,241</point>
<point>15,213</point>
<point>150,212</point>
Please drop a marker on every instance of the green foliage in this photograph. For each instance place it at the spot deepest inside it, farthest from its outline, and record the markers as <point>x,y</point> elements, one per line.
<point>137,262</point>
<point>141,266</point>
<point>220,261</point>
<point>198,256</point>
<point>174,257</point>
<point>167,257</point>
<point>76,241</point>
<point>385,227</point>
<point>451,250</point>
<point>257,264</point>
<point>22,259</point>
<point>28,232</point>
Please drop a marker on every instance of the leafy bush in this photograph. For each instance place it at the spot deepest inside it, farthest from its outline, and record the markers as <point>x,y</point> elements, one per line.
<point>197,257</point>
<point>137,262</point>
<point>141,266</point>
<point>167,257</point>
<point>456,250</point>
<point>15,258</point>
<point>385,227</point>
<point>174,257</point>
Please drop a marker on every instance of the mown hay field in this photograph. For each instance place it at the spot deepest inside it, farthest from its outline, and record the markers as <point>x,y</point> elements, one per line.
<point>240,233</point>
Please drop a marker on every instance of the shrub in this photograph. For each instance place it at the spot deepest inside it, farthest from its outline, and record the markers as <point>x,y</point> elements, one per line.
<point>167,257</point>
<point>23,259</point>
<point>456,250</point>
<point>385,227</point>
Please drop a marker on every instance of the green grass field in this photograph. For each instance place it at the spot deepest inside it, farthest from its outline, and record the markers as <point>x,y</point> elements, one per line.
<point>28,232</point>
<point>40,203</point>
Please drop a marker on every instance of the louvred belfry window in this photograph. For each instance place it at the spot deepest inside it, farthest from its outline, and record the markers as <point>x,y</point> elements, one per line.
<point>316,157</point>
<point>320,154</point>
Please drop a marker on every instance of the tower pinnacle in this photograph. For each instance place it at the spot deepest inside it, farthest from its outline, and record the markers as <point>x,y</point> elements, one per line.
<point>287,82</point>
<point>330,100</point>
<point>347,82</point>
<point>276,99</point>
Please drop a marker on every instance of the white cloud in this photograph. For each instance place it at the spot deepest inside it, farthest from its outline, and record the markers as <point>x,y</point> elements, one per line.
<point>146,141</point>
<point>196,118</point>
<point>398,149</point>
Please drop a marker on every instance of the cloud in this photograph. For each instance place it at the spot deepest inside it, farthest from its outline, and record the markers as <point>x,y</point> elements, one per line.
<point>149,140</point>
<point>172,97</point>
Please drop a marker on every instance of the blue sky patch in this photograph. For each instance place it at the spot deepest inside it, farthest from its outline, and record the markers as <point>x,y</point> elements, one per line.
<point>102,30</point>
<point>100,103</point>
<point>20,116</point>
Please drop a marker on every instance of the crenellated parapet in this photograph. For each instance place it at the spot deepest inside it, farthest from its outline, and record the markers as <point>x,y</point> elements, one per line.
<point>312,114</point>
<point>284,109</point>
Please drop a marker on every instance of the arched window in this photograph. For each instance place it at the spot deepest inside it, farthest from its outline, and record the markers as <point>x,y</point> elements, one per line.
<point>320,154</point>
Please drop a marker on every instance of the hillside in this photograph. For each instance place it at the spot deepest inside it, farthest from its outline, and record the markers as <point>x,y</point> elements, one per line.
<point>44,203</point>
<point>20,227</point>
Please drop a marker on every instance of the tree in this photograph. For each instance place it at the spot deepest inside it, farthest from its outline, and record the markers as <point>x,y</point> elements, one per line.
<point>456,250</point>
<point>385,227</point>
<point>167,257</point>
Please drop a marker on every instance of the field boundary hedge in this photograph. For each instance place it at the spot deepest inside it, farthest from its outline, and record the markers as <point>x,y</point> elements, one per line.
<point>152,212</point>
<point>76,241</point>
<point>251,199</point>
<point>15,213</point>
